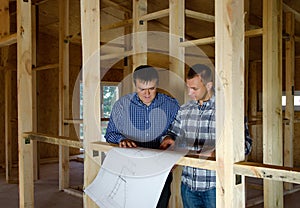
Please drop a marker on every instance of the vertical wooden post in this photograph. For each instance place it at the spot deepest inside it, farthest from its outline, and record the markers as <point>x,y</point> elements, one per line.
<point>127,87</point>
<point>176,53</point>
<point>247,14</point>
<point>289,89</point>
<point>8,133</point>
<point>63,92</point>
<point>4,30</point>
<point>176,65</point>
<point>24,82</point>
<point>90,30</point>
<point>229,27</point>
<point>139,33</point>
<point>36,155</point>
<point>253,107</point>
<point>272,93</point>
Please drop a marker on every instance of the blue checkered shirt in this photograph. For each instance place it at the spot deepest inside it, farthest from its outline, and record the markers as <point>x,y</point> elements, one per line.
<point>132,119</point>
<point>195,129</point>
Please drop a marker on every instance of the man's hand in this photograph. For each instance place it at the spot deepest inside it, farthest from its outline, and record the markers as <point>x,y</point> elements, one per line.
<point>127,143</point>
<point>166,142</point>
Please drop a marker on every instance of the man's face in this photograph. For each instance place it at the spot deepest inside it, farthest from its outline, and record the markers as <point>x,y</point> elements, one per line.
<point>197,90</point>
<point>146,90</point>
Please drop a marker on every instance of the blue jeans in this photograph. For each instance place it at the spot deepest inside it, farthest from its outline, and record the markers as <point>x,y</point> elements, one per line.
<point>198,199</point>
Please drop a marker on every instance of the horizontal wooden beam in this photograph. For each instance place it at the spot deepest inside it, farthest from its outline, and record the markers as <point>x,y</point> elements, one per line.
<point>199,16</point>
<point>79,121</point>
<point>155,15</point>
<point>58,140</point>
<point>197,162</point>
<point>202,41</point>
<point>257,170</point>
<point>73,121</point>
<point>74,192</point>
<point>211,40</point>
<point>185,161</point>
<point>254,32</point>
<point>49,66</point>
<point>265,171</point>
<point>8,40</point>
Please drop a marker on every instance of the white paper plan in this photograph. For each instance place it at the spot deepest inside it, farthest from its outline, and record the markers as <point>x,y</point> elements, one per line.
<point>132,177</point>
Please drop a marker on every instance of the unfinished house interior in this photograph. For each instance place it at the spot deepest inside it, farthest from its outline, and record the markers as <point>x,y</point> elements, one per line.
<point>64,62</point>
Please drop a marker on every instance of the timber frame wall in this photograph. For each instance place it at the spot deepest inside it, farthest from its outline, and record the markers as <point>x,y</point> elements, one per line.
<point>230,65</point>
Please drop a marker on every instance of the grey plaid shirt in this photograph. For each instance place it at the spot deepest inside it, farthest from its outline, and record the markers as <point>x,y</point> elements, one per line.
<point>194,128</point>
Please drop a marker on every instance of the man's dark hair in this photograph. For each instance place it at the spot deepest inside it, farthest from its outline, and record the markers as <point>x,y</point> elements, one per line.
<point>203,71</point>
<point>145,73</point>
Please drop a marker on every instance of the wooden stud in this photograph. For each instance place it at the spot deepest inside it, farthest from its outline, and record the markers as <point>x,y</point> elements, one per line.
<point>8,133</point>
<point>272,93</point>
<point>177,53</point>
<point>246,77</point>
<point>229,27</point>
<point>126,86</point>
<point>4,30</point>
<point>64,165</point>
<point>289,89</point>
<point>24,80</point>
<point>90,19</point>
<point>139,37</point>
<point>36,155</point>
<point>4,52</point>
<point>253,108</point>
<point>177,66</point>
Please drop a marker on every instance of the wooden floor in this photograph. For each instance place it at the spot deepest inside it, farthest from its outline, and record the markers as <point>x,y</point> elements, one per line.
<point>47,194</point>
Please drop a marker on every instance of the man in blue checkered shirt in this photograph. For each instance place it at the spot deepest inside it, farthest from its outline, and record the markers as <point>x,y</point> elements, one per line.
<point>140,119</point>
<point>195,126</point>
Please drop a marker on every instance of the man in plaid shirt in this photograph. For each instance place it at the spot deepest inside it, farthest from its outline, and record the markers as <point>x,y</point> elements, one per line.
<point>195,126</point>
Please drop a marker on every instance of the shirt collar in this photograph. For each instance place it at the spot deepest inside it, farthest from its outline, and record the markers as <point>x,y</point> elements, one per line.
<point>138,101</point>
